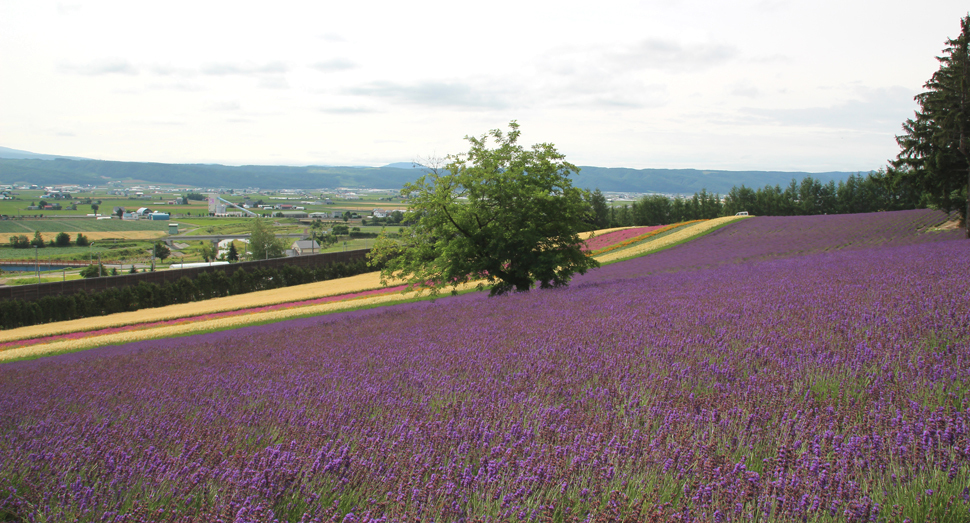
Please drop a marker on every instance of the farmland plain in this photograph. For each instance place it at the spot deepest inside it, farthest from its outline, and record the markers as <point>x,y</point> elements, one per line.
<point>776,369</point>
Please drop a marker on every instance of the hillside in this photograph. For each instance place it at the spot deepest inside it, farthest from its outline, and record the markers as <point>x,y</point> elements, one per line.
<point>809,369</point>
<point>45,171</point>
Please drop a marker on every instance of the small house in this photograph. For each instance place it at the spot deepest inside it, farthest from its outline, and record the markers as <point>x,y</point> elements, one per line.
<point>302,247</point>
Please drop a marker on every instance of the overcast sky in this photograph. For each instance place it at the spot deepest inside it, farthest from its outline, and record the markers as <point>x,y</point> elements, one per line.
<point>762,84</point>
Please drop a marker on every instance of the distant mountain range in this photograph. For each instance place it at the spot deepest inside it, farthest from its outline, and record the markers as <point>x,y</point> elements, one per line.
<point>43,169</point>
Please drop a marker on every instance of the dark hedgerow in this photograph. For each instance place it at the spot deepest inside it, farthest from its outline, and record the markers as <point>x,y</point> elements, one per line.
<point>20,313</point>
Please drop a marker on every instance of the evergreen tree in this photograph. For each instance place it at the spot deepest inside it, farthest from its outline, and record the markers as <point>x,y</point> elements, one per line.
<point>601,211</point>
<point>936,145</point>
<point>38,240</point>
<point>232,255</point>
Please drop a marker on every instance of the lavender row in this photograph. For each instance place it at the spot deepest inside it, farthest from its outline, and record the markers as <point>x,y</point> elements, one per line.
<point>827,387</point>
<point>773,237</point>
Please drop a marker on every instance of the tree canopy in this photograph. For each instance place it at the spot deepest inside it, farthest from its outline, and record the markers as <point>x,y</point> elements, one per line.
<point>507,216</point>
<point>161,250</point>
<point>263,244</point>
<point>935,146</point>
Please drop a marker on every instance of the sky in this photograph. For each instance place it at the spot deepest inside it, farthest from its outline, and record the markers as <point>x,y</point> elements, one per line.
<point>742,85</point>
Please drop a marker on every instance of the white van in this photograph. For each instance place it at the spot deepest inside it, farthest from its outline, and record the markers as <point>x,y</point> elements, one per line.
<point>742,213</point>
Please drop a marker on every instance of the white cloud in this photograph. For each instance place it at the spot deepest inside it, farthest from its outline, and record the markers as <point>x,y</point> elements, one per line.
<point>346,110</point>
<point>434,93</point>
<point>878,109</point>
<point>745,89</point>
<point>670,55</point>
<point>101,67</point>
<point>337,64</point>
<point>231,105</point>
<point>244,69</point>
<point>66,9</point>
<point>332,37</point>
<point>648,54</point>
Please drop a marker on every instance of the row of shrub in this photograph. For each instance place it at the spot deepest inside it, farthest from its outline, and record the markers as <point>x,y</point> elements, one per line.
<point>211,284</point>
<point>62,240</point>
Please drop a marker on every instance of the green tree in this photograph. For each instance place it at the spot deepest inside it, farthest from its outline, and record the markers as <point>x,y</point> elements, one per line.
<point>38,240</point>
<point>81,241</point>
<point>62,239</point>
<point>601,210</point>
<point>94,207</point>
<point>263,244</point>
<point>935,146</point>
<point>327,240</point>
<point>233,254</point>
<point>508,215</point>
<point>207,251</point>
<point>20,241</point>
<point>94,271</point>
<point>161,250</point>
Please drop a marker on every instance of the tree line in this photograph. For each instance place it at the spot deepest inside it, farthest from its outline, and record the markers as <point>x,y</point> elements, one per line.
<point>61,240</point>
<point>876,191</point>
<point>212,284</point>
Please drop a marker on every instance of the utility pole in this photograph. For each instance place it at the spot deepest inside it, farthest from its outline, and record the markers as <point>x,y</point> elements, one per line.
<point>36,264</point>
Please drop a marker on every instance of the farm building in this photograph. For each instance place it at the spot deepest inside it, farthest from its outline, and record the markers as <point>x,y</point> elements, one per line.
<point>302,247</point>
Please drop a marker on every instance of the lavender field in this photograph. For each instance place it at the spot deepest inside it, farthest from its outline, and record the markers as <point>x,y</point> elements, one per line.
<point>812,375</point>
<point>773,237</point>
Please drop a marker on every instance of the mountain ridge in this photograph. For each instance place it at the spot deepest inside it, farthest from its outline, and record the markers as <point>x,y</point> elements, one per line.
<point>43,169</point>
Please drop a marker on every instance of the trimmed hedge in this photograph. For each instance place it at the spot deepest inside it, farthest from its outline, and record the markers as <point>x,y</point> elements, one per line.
<point>20,313</point>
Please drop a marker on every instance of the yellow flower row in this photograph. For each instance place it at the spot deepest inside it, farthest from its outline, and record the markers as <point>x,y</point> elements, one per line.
<point>90,235</point>
<point>637,239</point>
<point>308,291</point>
<point>665,241</point>
<point>188,328</point>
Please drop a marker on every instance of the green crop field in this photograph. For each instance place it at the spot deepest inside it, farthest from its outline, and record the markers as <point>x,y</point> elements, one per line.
<point>69,225</point>
<point>109,250</point>
<point>24,199</point>
<point>351,245</point>
<point>31,281</point>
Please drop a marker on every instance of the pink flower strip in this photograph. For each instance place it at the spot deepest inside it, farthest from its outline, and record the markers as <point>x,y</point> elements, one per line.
<point>598,242</point>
